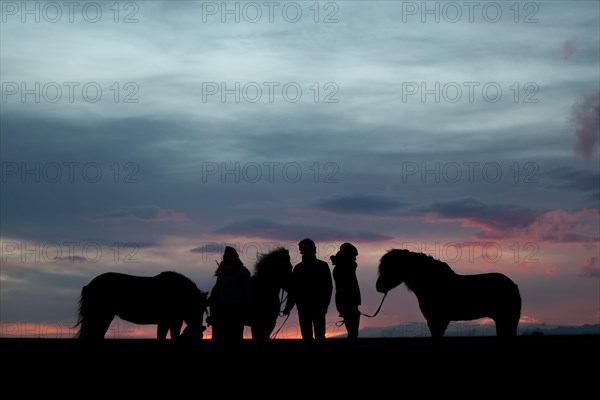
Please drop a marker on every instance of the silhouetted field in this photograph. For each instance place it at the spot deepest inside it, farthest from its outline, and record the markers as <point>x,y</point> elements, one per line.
<point>463,367</point>
<point>559,359</point>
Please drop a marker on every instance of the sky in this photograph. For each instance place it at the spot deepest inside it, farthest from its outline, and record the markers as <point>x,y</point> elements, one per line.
<point>145,136</point>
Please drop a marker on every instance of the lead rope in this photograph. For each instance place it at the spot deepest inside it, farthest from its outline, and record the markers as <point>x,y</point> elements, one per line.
<point>277,331</point>
<point>378,308</point>
<point>286,318</point>
<point>340,323</point>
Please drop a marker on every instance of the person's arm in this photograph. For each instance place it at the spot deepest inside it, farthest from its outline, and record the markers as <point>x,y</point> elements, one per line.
<point>291,295</point>
<point>329,283</point>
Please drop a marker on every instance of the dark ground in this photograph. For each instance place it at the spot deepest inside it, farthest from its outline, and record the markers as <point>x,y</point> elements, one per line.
<point>530,364</point>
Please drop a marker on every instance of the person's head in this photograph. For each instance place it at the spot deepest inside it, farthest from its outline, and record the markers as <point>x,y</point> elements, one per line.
<point>307,247</point>
<point>230,254</point>
<point>348,250</point>
<point>346,253</point>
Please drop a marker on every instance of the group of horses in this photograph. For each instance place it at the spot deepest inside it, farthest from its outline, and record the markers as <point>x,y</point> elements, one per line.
<point>170,299</point>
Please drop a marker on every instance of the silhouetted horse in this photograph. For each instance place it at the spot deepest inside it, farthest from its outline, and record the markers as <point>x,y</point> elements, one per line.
<point>272,274</point>
<point>445,296</point>
<point>167,299</point>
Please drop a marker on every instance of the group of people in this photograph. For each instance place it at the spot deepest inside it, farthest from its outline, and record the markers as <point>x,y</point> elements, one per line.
<point>310,290</point>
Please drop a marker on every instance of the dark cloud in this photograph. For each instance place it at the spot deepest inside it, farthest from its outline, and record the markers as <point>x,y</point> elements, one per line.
<point>370,204</point>
<point>574,179</point>
<point>210,248</point>
<point>73,259</point>
<point>142,214</point>
<point>496,217</point>
<point>265,228</point>
<point>585,116</point>
<point>141,245</point>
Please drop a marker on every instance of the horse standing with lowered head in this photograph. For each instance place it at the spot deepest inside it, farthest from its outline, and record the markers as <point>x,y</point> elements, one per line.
<point>167,300</point>
<point>446,296</point>
<point>272,274</point>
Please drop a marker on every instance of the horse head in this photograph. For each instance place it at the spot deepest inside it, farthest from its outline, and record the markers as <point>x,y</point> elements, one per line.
<point>195,316</point>
<point>391,273</point>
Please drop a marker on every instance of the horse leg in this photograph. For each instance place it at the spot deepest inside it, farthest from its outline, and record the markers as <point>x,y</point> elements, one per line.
<point>506,326</point>
<point>256,330</point>
<point>175,328</point>
<point>161,331</point>
<point>95,329</point>
<point>437,327</point>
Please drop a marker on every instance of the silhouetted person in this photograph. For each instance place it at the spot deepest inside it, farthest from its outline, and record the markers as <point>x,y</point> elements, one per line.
<point>231,299</point>
<point>347,290</point>
<point>310,290</point>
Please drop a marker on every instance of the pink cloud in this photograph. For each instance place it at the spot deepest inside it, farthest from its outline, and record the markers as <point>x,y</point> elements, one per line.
<point>527,266</point>
<point>526,319</point>
<point>507,222</point>
<point>590,269</point>
<point>585,116</point>
<point>563,226</point>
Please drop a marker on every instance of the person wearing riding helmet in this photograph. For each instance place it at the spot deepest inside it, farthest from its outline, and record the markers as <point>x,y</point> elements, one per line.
<point>347,290</point>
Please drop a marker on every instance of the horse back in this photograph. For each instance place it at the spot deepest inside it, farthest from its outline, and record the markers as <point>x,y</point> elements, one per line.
<point>138,299</point>
<point>117,286</point>
<point>491,283</point>
<point>490,293</point>
<point>469,297</point>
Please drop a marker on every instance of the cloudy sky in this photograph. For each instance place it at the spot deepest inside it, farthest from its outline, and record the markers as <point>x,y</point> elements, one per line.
<point>146,136</point>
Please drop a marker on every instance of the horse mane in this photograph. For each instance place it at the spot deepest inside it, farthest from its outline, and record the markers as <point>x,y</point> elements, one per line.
<point>176,276</point>
<point>267,261</point>
<point>414,265</point>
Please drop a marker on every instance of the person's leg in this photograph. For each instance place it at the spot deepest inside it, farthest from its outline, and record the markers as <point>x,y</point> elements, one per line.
<point>305,319</point>
<point>234,334</point>
<point>352,321</point>
<point>319,320</point>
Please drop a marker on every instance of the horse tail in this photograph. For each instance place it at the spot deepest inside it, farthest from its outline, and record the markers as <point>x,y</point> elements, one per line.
<point>83,305</point>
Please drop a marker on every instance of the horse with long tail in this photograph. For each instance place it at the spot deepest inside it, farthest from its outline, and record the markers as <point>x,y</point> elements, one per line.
<point>168,300</point>
<point>271,278</point>
<point>445,296</point>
